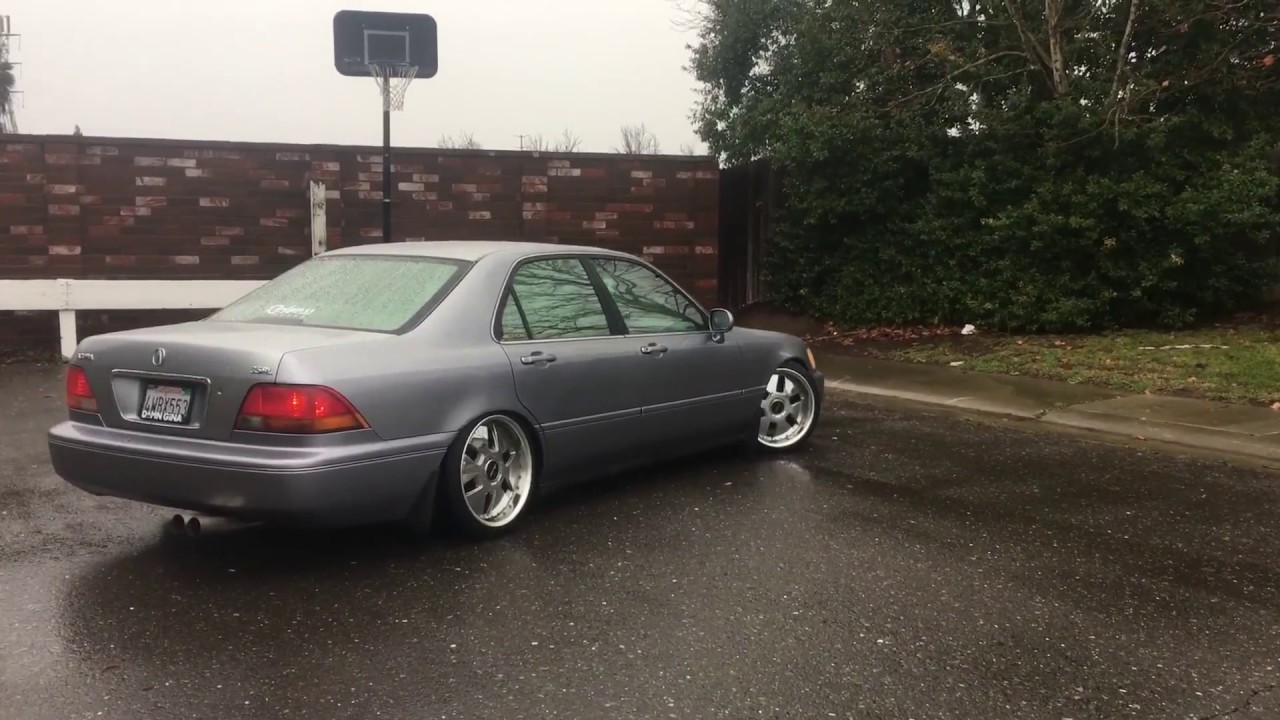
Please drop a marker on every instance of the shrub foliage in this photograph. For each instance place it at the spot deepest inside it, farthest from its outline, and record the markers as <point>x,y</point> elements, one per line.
<point>1021,164</point>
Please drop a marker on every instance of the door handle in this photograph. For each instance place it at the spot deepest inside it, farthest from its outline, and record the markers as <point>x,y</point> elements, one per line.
<point>537,357</point>
<point>653,348</point>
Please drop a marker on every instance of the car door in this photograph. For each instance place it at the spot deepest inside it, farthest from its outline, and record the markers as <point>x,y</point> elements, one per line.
<point>572,366</point>
<point>690,384</point>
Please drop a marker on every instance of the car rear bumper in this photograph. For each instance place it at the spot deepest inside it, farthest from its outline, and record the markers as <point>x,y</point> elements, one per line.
<point>353,484</point>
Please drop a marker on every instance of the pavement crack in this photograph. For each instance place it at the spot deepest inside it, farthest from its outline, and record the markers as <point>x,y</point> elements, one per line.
<point>1246,705</point>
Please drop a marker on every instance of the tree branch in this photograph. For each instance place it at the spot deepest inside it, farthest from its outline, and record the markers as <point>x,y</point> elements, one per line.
<point>1123,52</point>
<point>1057,48</point>
<point>951,76</point>
<point>949,23</point>
<point>1032,47</point>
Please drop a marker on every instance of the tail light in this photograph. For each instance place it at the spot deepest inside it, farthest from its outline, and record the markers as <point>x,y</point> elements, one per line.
<point>79,394</point>
<point>297,409</point>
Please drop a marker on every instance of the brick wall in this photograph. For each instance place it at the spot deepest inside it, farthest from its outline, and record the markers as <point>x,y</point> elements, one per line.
<point>81,207</point>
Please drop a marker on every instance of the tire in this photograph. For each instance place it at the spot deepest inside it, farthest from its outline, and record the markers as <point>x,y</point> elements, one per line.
<point>788,411</point>
<point>489,476</point>
<point>420,523</point>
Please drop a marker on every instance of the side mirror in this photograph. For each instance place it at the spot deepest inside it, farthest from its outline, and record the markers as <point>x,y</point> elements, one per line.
<point>721,320</point>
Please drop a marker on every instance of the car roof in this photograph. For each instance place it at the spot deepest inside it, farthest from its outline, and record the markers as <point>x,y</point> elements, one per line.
<point>470,250</point>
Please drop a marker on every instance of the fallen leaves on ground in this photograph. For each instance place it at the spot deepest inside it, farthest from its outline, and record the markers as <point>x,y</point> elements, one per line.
<point>28,357</point>
<point>831,333</point>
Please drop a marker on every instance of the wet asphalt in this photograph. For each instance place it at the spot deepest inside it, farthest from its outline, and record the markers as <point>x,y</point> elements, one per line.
<point>910,564</point>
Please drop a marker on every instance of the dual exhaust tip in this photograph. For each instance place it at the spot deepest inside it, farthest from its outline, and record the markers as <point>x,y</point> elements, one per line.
<point>178,525</point>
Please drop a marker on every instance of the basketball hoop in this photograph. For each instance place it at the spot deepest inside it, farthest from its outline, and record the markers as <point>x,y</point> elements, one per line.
<point>393,82</point>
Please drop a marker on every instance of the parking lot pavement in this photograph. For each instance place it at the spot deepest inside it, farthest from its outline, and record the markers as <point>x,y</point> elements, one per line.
<point>909,564</point>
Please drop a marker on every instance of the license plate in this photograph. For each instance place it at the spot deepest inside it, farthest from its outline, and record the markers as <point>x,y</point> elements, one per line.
<point>166,404</point>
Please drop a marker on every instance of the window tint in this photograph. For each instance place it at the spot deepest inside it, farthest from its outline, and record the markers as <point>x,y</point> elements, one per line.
<point>513,327</point>
<point>558,301</point>
<point>647,301</point>
<point>354,292</point>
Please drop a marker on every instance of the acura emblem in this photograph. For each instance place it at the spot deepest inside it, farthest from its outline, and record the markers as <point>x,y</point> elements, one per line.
<point>157,357</point>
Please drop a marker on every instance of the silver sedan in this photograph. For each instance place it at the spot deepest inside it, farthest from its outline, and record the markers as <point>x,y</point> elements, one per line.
<point>380,383</point>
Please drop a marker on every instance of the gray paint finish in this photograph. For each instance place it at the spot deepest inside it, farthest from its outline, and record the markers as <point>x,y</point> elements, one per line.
<point>603,404</point>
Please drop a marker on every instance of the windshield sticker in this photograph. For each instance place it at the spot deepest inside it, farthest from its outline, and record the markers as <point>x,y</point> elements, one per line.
<point>289,311</point>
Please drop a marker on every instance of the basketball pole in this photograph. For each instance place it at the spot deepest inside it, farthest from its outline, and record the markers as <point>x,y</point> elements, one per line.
<point>387,160</point>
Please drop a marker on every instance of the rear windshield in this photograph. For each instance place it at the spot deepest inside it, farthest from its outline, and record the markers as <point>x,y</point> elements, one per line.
<point>378,293</point>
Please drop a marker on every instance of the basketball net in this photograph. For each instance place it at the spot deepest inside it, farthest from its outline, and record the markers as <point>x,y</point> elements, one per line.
<point>393,82</point>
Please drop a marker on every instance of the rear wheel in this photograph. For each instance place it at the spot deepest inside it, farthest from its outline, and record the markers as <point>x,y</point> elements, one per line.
<point>489,476</point>
<point>788,410</point>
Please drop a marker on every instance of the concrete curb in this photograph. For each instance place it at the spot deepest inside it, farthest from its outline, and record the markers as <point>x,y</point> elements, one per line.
<point>1200,438</point>
<point>1172,433</point>
<point>965,402</point>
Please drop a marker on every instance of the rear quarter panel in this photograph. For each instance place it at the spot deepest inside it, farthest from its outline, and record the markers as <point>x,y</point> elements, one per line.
<point>409,386</point>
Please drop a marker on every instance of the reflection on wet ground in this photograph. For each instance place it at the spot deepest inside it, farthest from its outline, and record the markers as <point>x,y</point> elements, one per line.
<point>907,565</point>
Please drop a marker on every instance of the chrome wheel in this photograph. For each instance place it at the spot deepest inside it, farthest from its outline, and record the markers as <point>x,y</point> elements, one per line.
<point>787,410</point>
<point>496,471</point>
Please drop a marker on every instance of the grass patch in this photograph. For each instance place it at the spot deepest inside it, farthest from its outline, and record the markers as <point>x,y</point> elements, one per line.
<point>1246,371</point>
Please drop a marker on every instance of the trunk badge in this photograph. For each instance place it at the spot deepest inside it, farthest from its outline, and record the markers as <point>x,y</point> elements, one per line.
<point>259,370</point>
<point>157,357</point>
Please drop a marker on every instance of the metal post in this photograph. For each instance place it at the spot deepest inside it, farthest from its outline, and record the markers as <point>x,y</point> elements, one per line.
<point>386,169</point>
<point>319,219</point>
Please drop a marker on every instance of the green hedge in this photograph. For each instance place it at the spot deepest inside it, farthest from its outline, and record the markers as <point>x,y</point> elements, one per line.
<point>981,230</point>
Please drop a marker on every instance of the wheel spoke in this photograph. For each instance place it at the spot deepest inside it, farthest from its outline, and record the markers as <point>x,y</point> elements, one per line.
<point>470,467</point>
<point>478,500</point>
<point>778,383</point>
<point>501,500</point>
<point>765,423</point>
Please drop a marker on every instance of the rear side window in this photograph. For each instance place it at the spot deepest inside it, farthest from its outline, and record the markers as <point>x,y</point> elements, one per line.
<point>378,293</point>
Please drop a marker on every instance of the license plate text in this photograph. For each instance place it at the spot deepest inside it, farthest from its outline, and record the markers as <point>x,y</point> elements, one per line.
<point>166,403</point>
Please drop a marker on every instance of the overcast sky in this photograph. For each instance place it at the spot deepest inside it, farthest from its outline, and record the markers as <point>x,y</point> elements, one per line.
<point>262,70</point>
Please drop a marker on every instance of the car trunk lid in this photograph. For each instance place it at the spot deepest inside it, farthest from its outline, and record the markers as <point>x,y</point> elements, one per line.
<point>190,379</point>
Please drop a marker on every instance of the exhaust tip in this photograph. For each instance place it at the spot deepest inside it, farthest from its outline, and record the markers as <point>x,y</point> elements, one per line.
<point>193,527</point>
<point>176,525</point>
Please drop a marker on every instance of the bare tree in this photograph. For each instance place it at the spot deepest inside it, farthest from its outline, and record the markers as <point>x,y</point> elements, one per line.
<point>568,142</point>
<point>688,149</point>
<point>535,142</point>
<point>464,141</point>
<point>690,15</point>
<point>638,140</point>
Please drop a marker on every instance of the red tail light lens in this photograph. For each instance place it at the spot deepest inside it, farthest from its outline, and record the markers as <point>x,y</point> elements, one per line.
<point>298,409</point>
<point>79,394</point>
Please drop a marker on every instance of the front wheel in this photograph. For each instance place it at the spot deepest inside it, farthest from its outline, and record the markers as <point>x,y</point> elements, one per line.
<point>789,409</point>
<point>489,476</point>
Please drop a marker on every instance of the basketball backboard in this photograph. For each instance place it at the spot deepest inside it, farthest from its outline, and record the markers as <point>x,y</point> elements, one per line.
<point>363,38</point>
